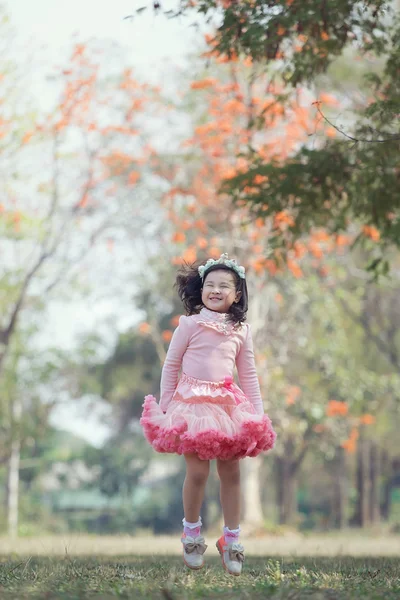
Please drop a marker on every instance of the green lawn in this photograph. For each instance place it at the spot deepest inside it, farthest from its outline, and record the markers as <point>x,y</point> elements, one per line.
<point>137,577</point>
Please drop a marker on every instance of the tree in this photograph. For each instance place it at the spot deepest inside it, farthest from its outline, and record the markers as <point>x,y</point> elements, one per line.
<point>131,371</point>
<point>85,140</point>
<point>349,174</point>
<point>28,378</point>
<point>68,182</point>
<point>339,383</point>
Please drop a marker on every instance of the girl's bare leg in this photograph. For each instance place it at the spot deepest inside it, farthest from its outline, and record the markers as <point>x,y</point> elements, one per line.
<point>197,472</point>
<point>229,476</point>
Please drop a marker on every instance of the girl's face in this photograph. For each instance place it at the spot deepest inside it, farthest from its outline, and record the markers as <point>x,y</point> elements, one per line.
<point>219,291</point>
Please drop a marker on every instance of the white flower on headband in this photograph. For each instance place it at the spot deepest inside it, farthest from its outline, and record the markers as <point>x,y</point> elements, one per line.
<point>223,260</point>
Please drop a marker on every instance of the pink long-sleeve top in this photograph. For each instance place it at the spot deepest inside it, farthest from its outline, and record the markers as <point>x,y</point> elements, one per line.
<point>207,346</point>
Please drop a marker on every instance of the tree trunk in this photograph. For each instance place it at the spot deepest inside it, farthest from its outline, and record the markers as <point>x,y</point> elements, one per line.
<point>251,497</point>
<point>386,469</point>
<point>251,491</point>
<point>341,490</point>
<point>362,516</point>
<point>13,489</point>
<point>286,490</point>
<point>386,500</point>
<point>375,477</point>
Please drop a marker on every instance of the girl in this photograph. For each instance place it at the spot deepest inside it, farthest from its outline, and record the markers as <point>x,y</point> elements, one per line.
<point>203,414</point>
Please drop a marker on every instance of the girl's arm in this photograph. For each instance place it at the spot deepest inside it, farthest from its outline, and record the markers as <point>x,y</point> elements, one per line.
<point>247,373</point>
<point>173,361</point>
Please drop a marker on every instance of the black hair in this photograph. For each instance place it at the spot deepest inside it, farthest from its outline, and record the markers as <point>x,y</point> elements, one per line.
<point>189,285</point>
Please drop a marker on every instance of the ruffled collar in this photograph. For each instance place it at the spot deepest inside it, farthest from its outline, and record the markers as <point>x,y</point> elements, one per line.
<point>217,321</point>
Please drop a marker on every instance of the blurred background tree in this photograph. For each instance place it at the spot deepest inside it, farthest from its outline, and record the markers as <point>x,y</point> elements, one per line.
<point>346,172</point>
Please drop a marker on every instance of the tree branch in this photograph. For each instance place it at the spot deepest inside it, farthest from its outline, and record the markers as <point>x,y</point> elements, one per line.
<point>392,138</point>
<point>46,252</point>
<point>295,464</point>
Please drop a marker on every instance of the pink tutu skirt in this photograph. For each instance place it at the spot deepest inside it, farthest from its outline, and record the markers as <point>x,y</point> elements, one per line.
<point>212,420</point>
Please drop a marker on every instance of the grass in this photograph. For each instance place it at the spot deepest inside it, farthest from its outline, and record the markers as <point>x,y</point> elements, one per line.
<point>79,577</point>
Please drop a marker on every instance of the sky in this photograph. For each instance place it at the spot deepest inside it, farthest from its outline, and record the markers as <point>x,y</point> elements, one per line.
<point>151,39</point>
<point>155,46</point>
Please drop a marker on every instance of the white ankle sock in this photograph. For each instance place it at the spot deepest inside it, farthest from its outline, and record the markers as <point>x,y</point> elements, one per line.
<point>192,529</point>
<point>231,535</point>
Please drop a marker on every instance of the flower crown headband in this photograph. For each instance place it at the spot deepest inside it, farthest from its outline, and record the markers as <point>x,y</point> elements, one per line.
<point>223,260</point>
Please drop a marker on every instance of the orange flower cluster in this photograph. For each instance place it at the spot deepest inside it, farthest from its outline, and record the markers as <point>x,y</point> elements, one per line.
<point>292,394</point>
<point>294,268</point>
<point>321,236</point>
<point>214,252</point>
<point>283,220</point>
<point>327,99</point>
<point>330,132</point>
<point>175,321</point>
<point>259,265</point>
<point>26,137</point>
<point>117,161</point>
<point>219,140</point>
<point>202,243</point>
<point>144,328</point>
<point>371,232</point>
<point>260,222</point>
<point>367,419</point>
<point>133,177</point>
<point>342,240</point>
<point>203,83</point>
<point>259,179</point>
<point>350,445</point>
<point>337,408</point>
<point>190,254</point>
<point>299,249</point>
<point>315,249</point>
<point>225,58</point>
<point>179,237</point>
<point>235,106</point>
<point>166,335</point>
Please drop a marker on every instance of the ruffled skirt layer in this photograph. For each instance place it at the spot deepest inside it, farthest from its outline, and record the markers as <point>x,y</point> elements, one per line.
<point>212,420</point>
